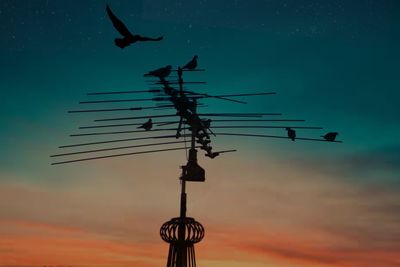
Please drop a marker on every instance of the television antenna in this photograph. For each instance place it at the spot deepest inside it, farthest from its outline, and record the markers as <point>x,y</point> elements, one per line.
<point>184,123</point>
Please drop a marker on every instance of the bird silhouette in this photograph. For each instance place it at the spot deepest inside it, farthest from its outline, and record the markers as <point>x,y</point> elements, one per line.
<point>291,133</point>
<point>128,37</point>
<point>147,125</point>
<point>206,123</point>
<point>192,64</point>
<point>161,73</point>
<point>330,136</point>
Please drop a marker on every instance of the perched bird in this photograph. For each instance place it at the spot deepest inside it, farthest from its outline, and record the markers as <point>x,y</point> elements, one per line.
<point>161,73</point>
<point>206,123</point>
<point>291,133</point>
<point>128,37</point>
<point>192,64</point>
<point>147,125</point>
<point>330,136</point>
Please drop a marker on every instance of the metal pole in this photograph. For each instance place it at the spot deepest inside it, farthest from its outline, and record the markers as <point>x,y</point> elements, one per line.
<point>181,259</point>
<point>183,182</point>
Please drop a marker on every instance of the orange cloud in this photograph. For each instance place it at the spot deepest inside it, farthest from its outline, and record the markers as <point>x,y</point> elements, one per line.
<point>281,249</point>
<point>31,243</point>
<point>259,214</point>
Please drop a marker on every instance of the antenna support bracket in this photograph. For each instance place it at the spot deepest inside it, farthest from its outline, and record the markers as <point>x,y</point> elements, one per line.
<point>192,171</point>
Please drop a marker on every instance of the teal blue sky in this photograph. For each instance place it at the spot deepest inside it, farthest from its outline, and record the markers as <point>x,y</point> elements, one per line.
<point>333,64</point>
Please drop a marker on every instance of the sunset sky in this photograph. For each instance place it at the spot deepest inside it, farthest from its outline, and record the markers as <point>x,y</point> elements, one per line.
<point>273,203</point>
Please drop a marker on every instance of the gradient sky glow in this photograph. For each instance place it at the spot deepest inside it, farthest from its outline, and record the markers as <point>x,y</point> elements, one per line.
<point>274,203</point>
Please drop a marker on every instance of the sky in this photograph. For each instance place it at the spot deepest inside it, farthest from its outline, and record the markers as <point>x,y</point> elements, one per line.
<point>273,203</point>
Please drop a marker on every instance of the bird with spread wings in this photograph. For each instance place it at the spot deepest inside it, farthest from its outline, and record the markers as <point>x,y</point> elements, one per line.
<point>128,37</point>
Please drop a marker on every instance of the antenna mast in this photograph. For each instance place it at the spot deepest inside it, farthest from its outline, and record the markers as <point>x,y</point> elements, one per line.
<point>183,232</point>
<point>180,232</point>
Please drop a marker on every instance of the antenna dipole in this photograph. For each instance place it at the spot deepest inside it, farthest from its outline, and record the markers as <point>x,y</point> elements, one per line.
<point>180,232</point>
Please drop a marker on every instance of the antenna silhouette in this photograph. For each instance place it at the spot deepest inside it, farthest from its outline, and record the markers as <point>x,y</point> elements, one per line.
<point>185,126</point>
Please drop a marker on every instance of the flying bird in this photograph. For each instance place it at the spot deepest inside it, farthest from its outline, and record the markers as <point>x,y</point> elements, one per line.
<point>192,64</point>
<point>128,37</point>
<point>147,125</point>
<point>161,73</point>
<point>291,133</point>
<point>330,136</point>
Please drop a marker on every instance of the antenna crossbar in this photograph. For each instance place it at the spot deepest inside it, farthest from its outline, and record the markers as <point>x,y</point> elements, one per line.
<point>276,136</point>
<point>119,140</point>
<point>116,148</point>
<point>119,155</point>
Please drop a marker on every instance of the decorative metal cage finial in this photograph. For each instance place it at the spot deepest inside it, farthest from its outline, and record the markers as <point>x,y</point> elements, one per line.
<point>194,231</point>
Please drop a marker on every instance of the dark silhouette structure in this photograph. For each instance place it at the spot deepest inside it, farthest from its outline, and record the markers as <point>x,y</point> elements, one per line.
<point>147,125</point>
<point>128,37</point>
<point>183,232</point>
<point>291,133</point>
<point>196,128</point>
<point>330,136</point>
<point>192,64</point>
<point>160,73</point>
